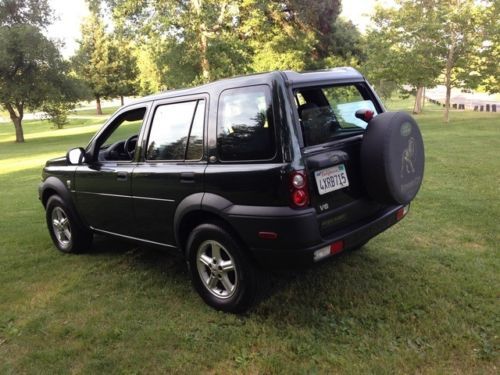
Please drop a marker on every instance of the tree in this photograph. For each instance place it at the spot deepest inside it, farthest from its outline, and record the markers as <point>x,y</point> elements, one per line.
<point>28,12</point>
<point>192,41</point>
<point>401,47</point>
<point>487,62</point>
<point>195,41</point>
<point>63,98</point>
<point>149,79</point>
<point>276,36</point>
<point>93,61</point>
<point>425,40</point>
<point>462,36</point>
<point>31,68</point>
<point>124,78</point>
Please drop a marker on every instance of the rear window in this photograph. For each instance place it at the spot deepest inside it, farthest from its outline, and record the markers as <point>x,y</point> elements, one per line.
<point>327,113</point>
<point>245,129</point>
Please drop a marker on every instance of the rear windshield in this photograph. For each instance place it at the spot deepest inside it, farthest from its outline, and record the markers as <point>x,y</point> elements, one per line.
<point>327,113</point>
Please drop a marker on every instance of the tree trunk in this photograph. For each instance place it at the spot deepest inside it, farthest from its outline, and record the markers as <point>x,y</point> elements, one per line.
<point>417,108</point>
<point>19,130</point>
<point>447,102</point>
<point>203,42</point>
<point>98,105</point>
<point>17,120</point>
<point>205,65</point>
<point>122,101</point>
<point>447,79</point>
<point>423,99</point>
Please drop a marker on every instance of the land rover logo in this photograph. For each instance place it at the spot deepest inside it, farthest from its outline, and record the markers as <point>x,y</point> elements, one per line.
<point>408,158</point>
<point>405,129</point>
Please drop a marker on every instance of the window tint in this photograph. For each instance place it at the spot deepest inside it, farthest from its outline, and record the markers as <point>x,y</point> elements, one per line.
<point>170,129</point>
<point>327,113</point>
<point>245,128</point>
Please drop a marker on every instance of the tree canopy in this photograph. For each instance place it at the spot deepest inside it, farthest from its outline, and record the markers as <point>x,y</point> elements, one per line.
<point>29,12</point>
<point>92,61</point>
<point>423,42</point>
<point>194,41</point>
<point>32,71</point>
<point>105,62</point>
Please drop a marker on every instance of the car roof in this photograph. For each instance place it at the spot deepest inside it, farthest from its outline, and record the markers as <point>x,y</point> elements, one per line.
<point>343,74</point>
<point>290,77</point>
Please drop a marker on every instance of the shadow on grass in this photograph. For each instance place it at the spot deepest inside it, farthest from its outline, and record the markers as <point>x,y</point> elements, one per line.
<point>163,263</point>
<point>352,281</point>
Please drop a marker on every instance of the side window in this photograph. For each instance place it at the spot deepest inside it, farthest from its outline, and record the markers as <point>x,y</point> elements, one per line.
<point>177,132</point>
<point>120,140</point>
<point>245,129</point>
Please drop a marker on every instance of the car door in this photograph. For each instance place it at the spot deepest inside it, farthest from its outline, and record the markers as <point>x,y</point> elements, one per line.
<point>103,183</point>
<point>172,166</point>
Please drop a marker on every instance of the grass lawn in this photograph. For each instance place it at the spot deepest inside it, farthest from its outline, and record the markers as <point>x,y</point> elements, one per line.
<point>106,111</point>
<point>422,297</point>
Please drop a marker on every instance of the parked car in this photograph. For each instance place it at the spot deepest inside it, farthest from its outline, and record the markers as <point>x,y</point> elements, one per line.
<point>261,171</point>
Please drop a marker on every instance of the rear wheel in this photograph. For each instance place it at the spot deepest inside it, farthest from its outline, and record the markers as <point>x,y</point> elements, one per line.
<point>68,235</point>
<point>221,271</point>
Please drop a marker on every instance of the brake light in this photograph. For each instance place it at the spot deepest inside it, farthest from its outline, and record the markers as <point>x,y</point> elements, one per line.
<point>298,189</point>
<point>336,247</point>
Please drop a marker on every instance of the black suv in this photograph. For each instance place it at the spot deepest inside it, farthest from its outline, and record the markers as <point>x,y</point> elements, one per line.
<point>273,169</point>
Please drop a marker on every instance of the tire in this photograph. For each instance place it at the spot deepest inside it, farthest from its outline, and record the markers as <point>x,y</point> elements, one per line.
<point>68,235</point>
<point>392,158</point>
<point>210,248</point>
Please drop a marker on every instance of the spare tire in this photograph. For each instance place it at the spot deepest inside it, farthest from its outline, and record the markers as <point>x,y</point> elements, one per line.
<point>392,158</point>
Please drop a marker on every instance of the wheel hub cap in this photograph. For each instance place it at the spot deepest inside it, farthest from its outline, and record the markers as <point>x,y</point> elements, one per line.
<point>61,226</point>
<point>217,269</point>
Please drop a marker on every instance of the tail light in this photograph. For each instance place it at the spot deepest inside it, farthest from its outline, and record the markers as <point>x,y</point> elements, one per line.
<point>299,194</point>
<point>401,213</point>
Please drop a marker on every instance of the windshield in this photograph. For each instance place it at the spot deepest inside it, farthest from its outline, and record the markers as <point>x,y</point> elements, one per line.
<point>329,112</point>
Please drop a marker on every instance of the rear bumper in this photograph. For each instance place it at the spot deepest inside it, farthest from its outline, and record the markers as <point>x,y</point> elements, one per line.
<point>298,236</point>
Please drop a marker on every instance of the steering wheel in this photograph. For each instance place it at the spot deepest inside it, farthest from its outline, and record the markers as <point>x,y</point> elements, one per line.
<point>130,144</point>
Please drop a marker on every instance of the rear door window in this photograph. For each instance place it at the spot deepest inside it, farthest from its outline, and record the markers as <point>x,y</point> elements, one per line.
<point>327,113</point>
<point>245,129</point>
<point>177,131</point>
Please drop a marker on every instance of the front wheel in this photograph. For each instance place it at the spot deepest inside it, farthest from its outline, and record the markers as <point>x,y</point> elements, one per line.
<point>221,271</point>
<point>66,232</point>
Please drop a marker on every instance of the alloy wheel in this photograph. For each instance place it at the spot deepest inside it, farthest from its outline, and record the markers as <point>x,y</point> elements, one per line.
<point>217,269</point>
<point>61,227</point>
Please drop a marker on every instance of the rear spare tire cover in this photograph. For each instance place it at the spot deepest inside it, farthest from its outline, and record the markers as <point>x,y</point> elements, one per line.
<point>392,158</point>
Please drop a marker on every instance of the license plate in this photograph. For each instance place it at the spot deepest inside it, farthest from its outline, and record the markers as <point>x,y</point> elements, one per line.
<point>331,179</point>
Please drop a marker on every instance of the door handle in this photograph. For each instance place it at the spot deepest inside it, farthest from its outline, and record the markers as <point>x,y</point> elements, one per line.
<point>121,176</point>
<point>187,178</point>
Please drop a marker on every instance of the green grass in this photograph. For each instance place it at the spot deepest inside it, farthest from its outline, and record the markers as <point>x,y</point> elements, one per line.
<point>106,111</point>
<point>422,297</point>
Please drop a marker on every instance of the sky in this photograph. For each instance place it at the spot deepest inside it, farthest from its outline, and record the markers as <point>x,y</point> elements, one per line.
<point>71,12</point>
<point>69,15</point>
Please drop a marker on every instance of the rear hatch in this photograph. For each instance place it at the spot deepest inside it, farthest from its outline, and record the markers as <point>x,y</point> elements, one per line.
<point>332,136</point>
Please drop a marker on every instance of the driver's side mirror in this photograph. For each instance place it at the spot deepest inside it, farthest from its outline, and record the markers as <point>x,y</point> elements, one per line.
<point>75,156</point>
